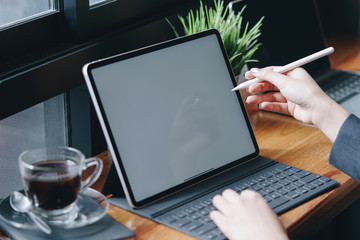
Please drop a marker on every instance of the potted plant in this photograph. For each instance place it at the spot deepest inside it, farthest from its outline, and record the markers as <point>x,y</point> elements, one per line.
<point>240,42</point>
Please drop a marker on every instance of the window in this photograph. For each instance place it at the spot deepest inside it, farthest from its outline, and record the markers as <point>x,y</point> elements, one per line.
<point>65,35</point>
<point>88,18</point>
<point>13,12</point>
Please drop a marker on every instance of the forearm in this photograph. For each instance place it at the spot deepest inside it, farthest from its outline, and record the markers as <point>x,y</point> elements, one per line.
<point>329,116</point>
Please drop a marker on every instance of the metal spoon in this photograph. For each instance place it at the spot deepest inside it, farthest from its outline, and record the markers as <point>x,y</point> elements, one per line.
<point>22,204</point>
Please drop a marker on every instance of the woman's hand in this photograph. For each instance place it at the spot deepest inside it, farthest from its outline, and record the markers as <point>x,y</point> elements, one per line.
<point>246,216</point>
<point>297,94</point>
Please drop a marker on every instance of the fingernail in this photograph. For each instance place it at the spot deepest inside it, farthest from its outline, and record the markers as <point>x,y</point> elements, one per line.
<point>259,106</point>
<point>245,99</point>
<point>255,70</point>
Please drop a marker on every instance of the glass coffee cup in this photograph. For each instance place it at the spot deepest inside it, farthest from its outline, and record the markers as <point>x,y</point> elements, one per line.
<point>52,178</point>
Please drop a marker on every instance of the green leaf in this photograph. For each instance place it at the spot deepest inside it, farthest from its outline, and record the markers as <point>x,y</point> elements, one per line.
<point>240,42</point>
<point>173,28</point>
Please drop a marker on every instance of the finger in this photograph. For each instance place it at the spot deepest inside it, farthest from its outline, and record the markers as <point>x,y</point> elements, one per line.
<point>278,79</point>
<point>262,87</point>
<point>249,74</point>
<point>275,107</point>
<point>231,196</point>
<point>217,217</point>
<point>220,220</point>
<point>250,195</point>
<point>267,97</point>
<point>251,71</point>
<point>222,204</point>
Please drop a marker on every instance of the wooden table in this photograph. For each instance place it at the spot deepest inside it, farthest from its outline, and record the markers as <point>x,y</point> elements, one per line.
<point>286,140</point>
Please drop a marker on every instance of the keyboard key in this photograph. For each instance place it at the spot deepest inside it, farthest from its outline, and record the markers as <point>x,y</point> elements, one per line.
<point>298,184</point>
<point>195,216</point>
<point>198,206</point>
<point>290,188</point>
<point>273,180</point>
<point>256,188</point>
<point>325,179</point>
<point>206,219</point>
<point>310,178</point>
<point>194,225</point>
<point>318,182</point>
<point>264,184</point>
<point>282,167</point>
<point>250,183</point>
<point>310,186</point>
<point>292,179</point>
<point>284,182</point>
<point>293,195</point>
<point>302,174</point>
<point>259,179</point>
<point>267,199</point>
<point>207,202</point>
<point>205,211</point>
<point>212,208</point>
<point>217,231</point>
<point>274,195</point>
<point>275,172</point>
<point>297,169</point>
<point>276,186</point>
<point>279,201</point>
<point>289,173</point>
<point>268,190</point>
<point>189,211</point>
<point>302,190</point>
<point>182,222</point>
<point>282,191</point>
<point>241,188</point>
<point>267,175</point>
<point>280,176</point>
<point>220,237</point>
<point>205,228</point>
<point>180,215</point>
<point>169,219</point>
<point>210,235</point>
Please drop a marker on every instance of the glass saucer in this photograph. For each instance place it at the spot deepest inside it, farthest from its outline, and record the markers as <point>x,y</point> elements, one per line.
<point>91,204</point>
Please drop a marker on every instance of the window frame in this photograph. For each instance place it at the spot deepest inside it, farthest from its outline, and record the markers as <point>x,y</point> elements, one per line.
<point>22,37</point>
<point>36,53</point>
<point>86,21</point>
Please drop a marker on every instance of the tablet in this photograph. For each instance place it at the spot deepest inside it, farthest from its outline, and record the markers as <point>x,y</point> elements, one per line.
<point>169,116</point>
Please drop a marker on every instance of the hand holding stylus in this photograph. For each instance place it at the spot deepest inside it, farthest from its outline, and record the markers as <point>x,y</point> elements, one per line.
<point>297,94</point>
<point>290,66</point>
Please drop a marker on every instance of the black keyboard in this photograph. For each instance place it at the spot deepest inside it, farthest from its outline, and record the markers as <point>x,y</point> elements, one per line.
<point>344,86</point>
<point>281,185</point>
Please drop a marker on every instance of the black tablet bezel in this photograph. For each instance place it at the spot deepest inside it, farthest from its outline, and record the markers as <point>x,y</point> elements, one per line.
<point>116,155</point>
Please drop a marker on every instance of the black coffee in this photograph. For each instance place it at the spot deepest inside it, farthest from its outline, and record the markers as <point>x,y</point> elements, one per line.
<point>55,188</point>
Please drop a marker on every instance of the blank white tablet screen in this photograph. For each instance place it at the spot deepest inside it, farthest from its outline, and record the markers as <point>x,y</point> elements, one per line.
<point>172,114</point>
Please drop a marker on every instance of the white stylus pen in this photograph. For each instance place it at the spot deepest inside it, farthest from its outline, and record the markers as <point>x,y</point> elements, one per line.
<point>289,66</point>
